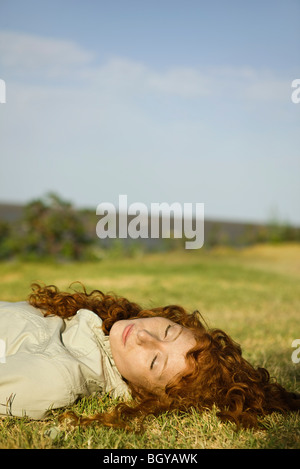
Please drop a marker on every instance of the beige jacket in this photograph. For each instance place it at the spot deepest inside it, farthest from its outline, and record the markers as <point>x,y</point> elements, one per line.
<point>49,362</point>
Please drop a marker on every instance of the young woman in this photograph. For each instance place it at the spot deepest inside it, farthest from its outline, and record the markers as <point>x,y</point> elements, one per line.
<point>61,346</point>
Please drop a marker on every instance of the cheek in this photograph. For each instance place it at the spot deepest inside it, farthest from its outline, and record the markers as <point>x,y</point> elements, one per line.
<point>126,364</point>
<point>133,369</point>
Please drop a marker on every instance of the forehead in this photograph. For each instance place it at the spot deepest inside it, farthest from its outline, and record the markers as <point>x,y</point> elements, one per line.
<point>155,320</point>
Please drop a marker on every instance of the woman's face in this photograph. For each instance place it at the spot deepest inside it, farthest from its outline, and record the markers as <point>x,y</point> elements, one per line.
<point>150,351</point>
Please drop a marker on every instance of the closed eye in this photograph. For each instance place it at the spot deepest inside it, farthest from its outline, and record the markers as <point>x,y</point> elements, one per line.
<point>153,361</point>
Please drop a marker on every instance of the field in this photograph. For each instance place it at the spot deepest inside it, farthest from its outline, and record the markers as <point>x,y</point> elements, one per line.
<point>252,293</point>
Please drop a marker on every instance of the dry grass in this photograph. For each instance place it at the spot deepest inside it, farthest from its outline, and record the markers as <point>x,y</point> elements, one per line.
<point>253,294</point>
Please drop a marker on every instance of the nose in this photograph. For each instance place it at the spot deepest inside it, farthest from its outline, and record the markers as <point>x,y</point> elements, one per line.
<point>145,338</point>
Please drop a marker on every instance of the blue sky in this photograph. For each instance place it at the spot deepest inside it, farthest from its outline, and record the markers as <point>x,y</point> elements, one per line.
<point>164,101</point>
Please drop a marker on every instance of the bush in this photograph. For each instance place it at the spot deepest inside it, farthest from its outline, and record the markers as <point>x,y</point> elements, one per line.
<point>50,228</point>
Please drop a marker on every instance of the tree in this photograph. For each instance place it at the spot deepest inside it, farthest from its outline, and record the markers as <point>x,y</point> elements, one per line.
<point>52,228</point>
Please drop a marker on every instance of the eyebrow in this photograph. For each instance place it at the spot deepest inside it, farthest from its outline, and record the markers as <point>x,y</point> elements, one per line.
<point>167,357</point>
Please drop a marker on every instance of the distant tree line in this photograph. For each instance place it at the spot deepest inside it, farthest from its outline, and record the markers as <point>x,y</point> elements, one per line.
<point>51,228</point>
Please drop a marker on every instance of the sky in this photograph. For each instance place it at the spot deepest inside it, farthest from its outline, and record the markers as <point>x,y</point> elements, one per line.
<point>163,101</point>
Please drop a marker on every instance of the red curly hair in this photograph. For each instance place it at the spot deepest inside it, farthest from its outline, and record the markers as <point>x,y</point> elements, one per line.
<point>216,373</point>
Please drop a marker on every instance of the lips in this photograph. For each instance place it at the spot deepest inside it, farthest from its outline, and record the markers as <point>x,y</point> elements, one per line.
<point>126,333</point>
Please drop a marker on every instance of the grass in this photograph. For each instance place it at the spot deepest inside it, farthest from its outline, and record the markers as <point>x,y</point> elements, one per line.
<point>252,293</point>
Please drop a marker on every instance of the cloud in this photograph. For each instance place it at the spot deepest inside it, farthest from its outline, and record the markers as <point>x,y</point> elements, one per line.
<point>183,82</point>
<point>28,57</point>
<point>25,54</point>
<point>58,87</point>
